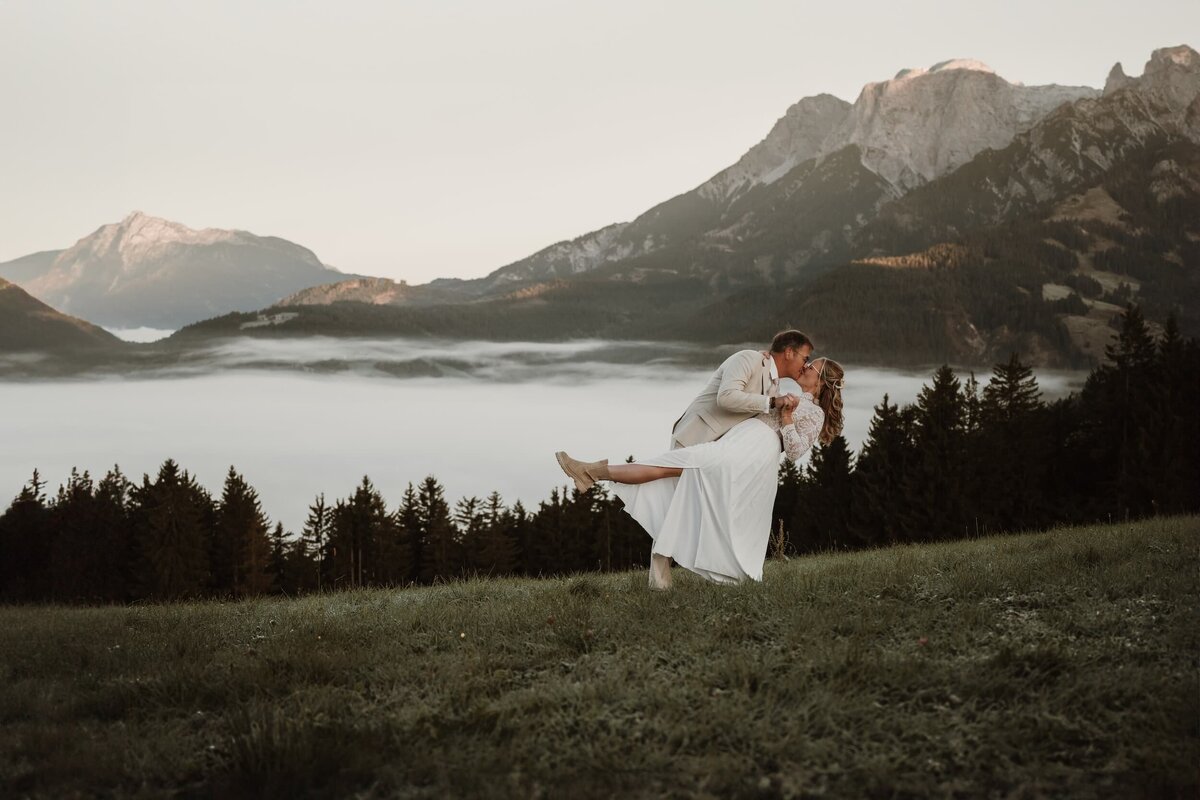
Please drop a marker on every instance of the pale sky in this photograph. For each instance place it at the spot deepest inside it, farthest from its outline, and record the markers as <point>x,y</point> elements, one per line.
<point>416,140</point>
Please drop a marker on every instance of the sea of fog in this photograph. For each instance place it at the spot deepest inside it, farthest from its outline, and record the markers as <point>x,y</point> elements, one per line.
<point>142,334</point>
<point>303,416</point>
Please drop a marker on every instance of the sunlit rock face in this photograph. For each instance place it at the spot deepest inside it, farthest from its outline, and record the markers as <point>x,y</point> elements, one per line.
<point>1072,147</point>
<point>923,123</point>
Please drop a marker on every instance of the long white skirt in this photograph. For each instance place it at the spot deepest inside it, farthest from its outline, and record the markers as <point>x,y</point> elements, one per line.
<point>715,519</point>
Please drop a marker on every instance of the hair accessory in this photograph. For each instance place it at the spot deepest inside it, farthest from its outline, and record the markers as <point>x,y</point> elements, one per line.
<point>838,384</point>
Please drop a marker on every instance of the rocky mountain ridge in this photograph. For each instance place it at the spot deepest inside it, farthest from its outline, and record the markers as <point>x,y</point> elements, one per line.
<point>1066,152</point>
<point>908,130</point>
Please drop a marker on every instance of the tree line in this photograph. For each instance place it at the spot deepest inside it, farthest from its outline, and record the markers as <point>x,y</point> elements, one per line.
<point>169,538</point>
<point>967,460</point>
<point>964,460</point>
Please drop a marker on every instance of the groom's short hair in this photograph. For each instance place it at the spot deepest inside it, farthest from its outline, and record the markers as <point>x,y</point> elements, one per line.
<point>790,338</point>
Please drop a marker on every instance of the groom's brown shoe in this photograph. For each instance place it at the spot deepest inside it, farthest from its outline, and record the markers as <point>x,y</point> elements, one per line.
<point>585,474</point>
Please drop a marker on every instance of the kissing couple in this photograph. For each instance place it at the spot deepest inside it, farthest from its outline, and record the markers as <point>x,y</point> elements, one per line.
<point>707,503</point>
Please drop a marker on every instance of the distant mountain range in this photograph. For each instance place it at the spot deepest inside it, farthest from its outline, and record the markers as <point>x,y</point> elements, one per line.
<point>146,271</point>
<point>946,215</point>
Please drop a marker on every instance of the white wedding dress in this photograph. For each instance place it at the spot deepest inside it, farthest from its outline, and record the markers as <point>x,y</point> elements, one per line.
<point>715,519</point>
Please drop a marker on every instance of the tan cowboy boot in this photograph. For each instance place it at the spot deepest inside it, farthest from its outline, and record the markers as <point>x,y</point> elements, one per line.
<point>585,474</point>
<point>660,572</point>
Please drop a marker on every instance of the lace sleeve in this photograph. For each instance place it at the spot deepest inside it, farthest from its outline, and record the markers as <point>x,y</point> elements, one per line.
<point>801,435</point>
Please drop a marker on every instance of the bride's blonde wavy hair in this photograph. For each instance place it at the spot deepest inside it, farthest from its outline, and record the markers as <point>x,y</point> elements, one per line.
<point>833,378</point>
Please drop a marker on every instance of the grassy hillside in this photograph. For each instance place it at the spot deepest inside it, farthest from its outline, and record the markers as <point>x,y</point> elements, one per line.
<point>1051,664</point>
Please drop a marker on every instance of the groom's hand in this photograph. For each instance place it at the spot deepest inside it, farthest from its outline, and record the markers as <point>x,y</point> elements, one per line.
<point>788,402</point>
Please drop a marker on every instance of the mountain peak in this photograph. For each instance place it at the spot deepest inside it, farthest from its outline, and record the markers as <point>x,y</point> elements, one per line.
<point>1167,57</point>
<point>1165,62</point>
<point>961,63</point>
<point>1171,79</point>
<point>141,221</point>
<point>145,270</point>
<point>913,76</point>
<point>1117,79</point>
<point>795,137</point>
<point>944,66</point>
<point>140,236</point>
<point>925,122</point>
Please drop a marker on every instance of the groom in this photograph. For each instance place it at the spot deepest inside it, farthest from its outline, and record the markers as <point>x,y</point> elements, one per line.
<point>746,384</point>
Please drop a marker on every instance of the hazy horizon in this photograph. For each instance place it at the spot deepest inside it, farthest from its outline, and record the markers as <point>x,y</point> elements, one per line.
<point>433,140</point>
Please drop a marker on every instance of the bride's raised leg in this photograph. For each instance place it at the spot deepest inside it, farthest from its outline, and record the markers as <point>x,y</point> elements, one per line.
<point>642,473</point>
<point>586,473</point>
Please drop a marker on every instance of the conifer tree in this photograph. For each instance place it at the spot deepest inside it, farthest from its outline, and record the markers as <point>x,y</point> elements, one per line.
<point>1013,448</point>
<point>393,553</point>
<point>109,579</point>
<point>522,536</point>
<point>547,536</point>
<point>787,499</point>
<point>26,542</point>
<point>1012,394</point>
<point>1177,466</point>
<point>1134,348</point>
<point>240,549</point>
<point>315,539</point>
<point>277,565</point>
<point>497,550</point>
<point>440,556</point>
<point>1118,401</point>
<point>359,528</point>
<point>878,512</point>
<point>631,544</point>
<point>469,525</point>
<point>73,557</point>
<point>300,569</point>
<point>935,484</point>
<point>171,518</point>
<point>823,516</point>
<point>408,535</point>
<point>581,534</point>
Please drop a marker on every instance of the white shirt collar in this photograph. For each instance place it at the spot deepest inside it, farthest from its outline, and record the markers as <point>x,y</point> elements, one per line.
<point>774,368</point>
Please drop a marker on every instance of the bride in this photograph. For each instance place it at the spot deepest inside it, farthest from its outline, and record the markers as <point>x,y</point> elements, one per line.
<point>709,505</point>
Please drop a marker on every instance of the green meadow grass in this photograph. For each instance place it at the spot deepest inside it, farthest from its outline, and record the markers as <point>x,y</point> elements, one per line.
<point>1056,664</point>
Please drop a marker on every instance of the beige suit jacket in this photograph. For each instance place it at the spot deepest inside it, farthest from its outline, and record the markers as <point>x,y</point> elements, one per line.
<point>739,389</point>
